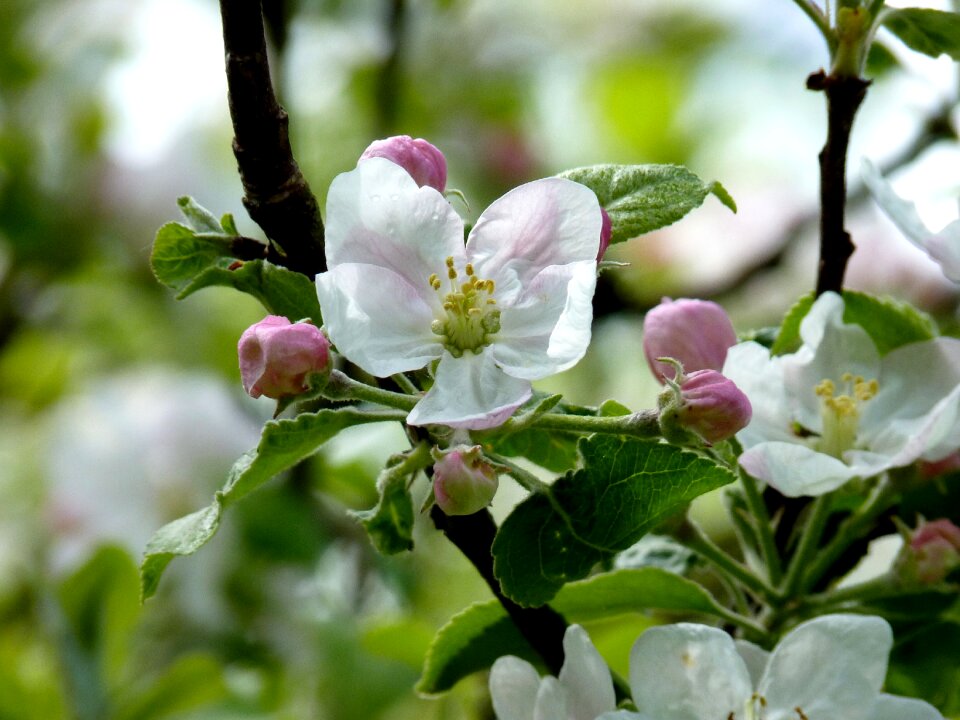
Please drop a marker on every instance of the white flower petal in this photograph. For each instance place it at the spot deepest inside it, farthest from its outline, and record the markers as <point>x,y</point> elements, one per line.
<point>513,688</point>
<point>830,667</point>
<point>585,677</point>
<point>890,707</point>
<point>688,672</point>
<point>470,392</point>
<point>796,470</point>
<point>624,715</point>
<point>831,348</point>
<point>543,223</point>
<point>551,701</point>
<point>548,328</point>
<point>943,247</point>
<point>377,215</point>
<point>760,378</point>
<point>376,319</point>
<point>755,658</point>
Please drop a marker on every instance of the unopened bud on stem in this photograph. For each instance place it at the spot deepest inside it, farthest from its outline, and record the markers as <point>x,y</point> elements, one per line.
<point>278,357</point>
<point>422,161</point>
<point>698,333</point>
<point>463,482</point>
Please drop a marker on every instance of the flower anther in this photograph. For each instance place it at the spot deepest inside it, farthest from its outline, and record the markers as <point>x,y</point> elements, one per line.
<point>470,315</point>
<point>840,414</point>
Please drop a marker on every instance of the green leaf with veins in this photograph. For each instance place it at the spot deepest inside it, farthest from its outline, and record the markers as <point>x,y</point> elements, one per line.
<point>931,32</point>
<point>625,488</point>
<point>643,198</point>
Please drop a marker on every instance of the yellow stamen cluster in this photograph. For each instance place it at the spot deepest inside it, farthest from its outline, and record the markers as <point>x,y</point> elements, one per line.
<point>841,413</point>
<point>470,313</point>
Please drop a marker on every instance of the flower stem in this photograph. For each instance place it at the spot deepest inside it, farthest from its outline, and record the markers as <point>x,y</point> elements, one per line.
<point>641,424</point>
<point>405,384</point>
<point>342,387</point>
<point>765,539</point>
<point>809,544</point>
<point>819,19</point>
<point>693,537</point>
<point>527,480</point>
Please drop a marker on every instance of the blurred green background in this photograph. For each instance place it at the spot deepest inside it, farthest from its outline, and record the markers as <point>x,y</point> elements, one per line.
<point>121,409</point>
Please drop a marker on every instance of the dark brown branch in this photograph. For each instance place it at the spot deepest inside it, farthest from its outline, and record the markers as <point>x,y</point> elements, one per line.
<point>276,194</point>
<point>473,535</point>
<point>844,95</point>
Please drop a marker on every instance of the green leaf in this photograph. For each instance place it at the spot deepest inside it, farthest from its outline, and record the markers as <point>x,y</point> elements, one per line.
<point>626,488</point>
<point>931,32</point>
<point>190,683</point>
<point>390,522</point>
<point>474,638</point>
<point>889,323</point>
<point>554,450</point>
<point>642,198</point>
<point>188,259</point>
<point>283,443</point>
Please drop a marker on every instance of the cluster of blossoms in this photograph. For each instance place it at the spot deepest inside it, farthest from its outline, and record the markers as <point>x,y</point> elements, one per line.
<point>827,668</point>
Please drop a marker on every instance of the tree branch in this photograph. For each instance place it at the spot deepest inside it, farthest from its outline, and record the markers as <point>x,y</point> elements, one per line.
<point>276,194</point>
<point>844,95</point>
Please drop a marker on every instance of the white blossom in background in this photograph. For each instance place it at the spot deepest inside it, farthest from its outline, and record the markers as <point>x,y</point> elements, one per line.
<point>512,306</point>
<point>135,451</point>
<point>943,246</point>
<point>835,410</point>
<point>584,690</point>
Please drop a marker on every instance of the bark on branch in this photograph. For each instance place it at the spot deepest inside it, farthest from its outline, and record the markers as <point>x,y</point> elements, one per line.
<point>276,194</point>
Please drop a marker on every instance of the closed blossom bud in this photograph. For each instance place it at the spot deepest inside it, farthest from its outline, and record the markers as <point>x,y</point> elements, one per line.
<point>931,554</point>
<point>698,333</point>
<point>419,158</point>
<point>277,357</point>
<point>463,483</point>
<point>704,403</point>
<point>606,232</point>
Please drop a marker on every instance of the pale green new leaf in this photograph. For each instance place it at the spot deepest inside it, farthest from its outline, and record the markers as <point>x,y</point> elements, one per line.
<point>931,32</point>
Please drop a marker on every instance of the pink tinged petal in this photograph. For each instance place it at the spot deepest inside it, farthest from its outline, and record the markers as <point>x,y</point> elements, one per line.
<point>551,701</point>
<point>470,392</point>
<point>688,672</point>
<point>890,707</point>
<point>797,470</point>
<point>585,677</point>
<point>547,330</point>
<point>376,215</point>
<point>698,333</point>
<point>376,319</point>
<point>513,688</point>
<point>831,667</point>
<point>543,223</point>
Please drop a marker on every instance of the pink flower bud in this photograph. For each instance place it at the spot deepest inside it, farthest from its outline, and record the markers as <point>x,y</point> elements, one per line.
<point>277,356</point>
<point>463,483</point>
<point>932,553</point>
<point>606,232</point>
<point>420,159</point>
<point>710,406</point>
<point>695,332</point>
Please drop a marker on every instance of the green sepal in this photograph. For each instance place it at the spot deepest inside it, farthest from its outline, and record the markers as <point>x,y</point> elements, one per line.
<point>625,488</point>
<point>643,198</point>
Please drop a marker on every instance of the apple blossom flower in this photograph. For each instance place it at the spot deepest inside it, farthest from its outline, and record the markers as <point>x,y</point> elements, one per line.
<point>705,403</point>
<point>463,483</point>
<point>830,667</point>
<point>835,410</point>
<point>584,690</point>
<point>512,306</point>
<point>943,246</point>
<point>425,163</point>
<point>695,332</point>
<point>277,356</point>
<point>932,553</point>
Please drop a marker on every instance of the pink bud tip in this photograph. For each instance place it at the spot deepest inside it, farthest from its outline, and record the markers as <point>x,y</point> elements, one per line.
<point>606,232</point>
<point>277,356</point>
<point>424,162</point>
<point>933,552</point>
<point>698,333</point>
<point>712,406</point>
<point>463,483</point>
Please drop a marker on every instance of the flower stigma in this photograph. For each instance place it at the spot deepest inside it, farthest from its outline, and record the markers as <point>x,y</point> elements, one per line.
<point>841,413</point>
<point>470,316</point>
